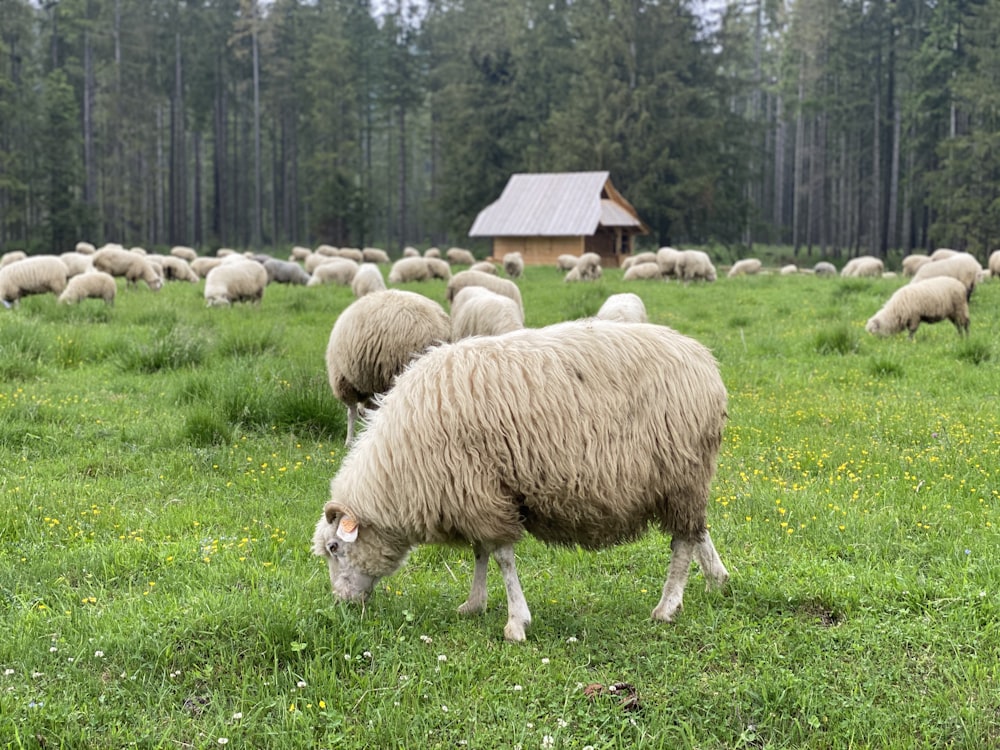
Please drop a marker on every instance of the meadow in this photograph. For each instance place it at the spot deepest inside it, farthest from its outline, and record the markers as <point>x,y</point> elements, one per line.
<point>163,465</point>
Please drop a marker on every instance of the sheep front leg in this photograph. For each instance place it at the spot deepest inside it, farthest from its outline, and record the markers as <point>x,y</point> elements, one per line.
<point>518,615</point>
<point>476,602</point>
<point>352,417</point>
<point>711,565</point>
<point>682,551</point>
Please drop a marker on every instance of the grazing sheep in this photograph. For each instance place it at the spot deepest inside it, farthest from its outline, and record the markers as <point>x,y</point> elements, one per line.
<point>566,262</point>
<point>439,268</point>
<point>86,248</point>
<point>484,266</point>
<point>351,253</point>
<point>299,253</point>
<point>460,256</point>
<point>432,252</point>
<point>12,257</point>
<point>666,258</point>
<point>368,279</point>
<point>477,311</point>
<point>943,252</point>
<point>37,274</point>
<point>643,271</point>
<point>334,271</point>
<point>789,269</point>
<point>694,265</point>
<point>919,302</point>
<point>285,272</point>
<point>328,250</point>
<point>634,260</point>
<point>587,268</point>
<point>96,284</point>
<point>825,268</point>
<point>513,265</point>
<point>76,263</point>
<point>994,263</point>
<point>373,340</point>
<point>745,267</point>
<point>374,255</point>
<point>466,278</point>
<point>533,431</point>
<point>913,262</point>
<point>224,252</point>
<point>202,265</point>
<point>183,252</point>
<point>625,307</point>
<point>239,281</point>
<point>410,252</point>
<point>961,266</point>
<point>410,268</point>
<point>315,260</point>
<point>134,267</point>
<point>863,266</point>
<point>173,268</point>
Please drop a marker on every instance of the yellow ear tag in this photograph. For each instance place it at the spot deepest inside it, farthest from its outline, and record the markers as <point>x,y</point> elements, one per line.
<point>347,529</point>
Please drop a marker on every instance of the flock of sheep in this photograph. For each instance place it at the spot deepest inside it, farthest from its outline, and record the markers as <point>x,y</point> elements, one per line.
<point>478,429</point>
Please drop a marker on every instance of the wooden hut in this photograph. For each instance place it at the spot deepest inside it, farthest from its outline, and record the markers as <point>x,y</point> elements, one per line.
<point>543,216</point>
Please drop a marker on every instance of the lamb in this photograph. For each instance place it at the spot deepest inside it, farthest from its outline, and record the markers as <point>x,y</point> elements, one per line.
<point>334,271</point>
<point>484,266</point>
<point>513,264</point>
<point>374,255</point>
<point>237,281</point>
<point>928,301</point>
<point>409,268</point>
<point>642,271</point>
<point>634,260</point>
<point>961,266</point>
<point>37,274</point>
<point>120,262</point>
<point>96,284</point>
<point>477,311</point>
<point>460,256</point>
<point>184,253</point>
<point>694,265</point>
<point>624,308</point>
<point>863,265</point>
<point>587,268</point>
<point>532,432</point>
<point>373,340</point>
<point>368,279</point>
<point>913,262</point>
<point>566,262</point>
<point>466,278</point>
<point>285,272</point>
<point>666,258</point>
<point>825,268</point>
<point>994,263</point>
<point>745,267</point>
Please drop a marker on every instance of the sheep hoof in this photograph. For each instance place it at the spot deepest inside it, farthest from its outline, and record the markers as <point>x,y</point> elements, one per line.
<point>666,611</point>
<point>514,631</point>
<point>472,608</point>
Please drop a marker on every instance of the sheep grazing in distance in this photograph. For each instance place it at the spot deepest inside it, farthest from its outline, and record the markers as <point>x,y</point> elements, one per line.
<point>588,268</point>
<point>299,253</point>
<point>994,263</point>
<point>328,250</point>
<point>239,281</point>
<point>643,272</point>
<point>37,274</point>
<point>432,252</point>
<point>92,284</point>
<point>334,271</point>
<point>745,267</point>
<point>466,278</point>
<point>410,252</point>
<point>368,279</point>
<point>513,265</point>
<point>374,339</point>
<point>477,311</point>
<point>666,259</point>
<point>825,268</point>
<point>203,264</point>
<point>374,255</point>
<point>134,267</point>
<point>409,268</point>
<point>460,256</point>
<point>532,432</point>
<point>566,262</point>
<point>634,260</point>
<point>484,266</point>
<point>285,272</point>
<point>961,266</point>
<point>173,268</point>
<point>86,248</point>
<point>863,266</point>
<point>351,253</point>
<point>943,252</point>
<point>438,268</point>
<point>12,257</point>
<point>694,265</point>
<point>912,262</point>
<point>930,301</point>
<point>183,252</point>
<point>789,269</point>
<point>625,307</point>
<point>77,263</point>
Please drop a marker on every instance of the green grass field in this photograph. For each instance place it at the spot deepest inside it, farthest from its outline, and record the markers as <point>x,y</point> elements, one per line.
<point>162,467</point>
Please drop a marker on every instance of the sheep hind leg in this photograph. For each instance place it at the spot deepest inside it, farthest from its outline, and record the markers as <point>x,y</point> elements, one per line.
<point>710,562</point>
<point>682,551</point>
<point>518,615</point>
<point>476,602</point>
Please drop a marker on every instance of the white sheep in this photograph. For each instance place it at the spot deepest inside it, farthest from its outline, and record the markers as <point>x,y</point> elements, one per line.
<point>36,274</point>
<point>994,263</point>
<point>91,284</point>
<point>566,262</point>
<point>928,301</point>
<point>173,268</point>
<point>238,281</point>
<point>666,258</point>
<point>285,272</point>
<point>351,253</point>
<point>439,268</point>
<point>432,252</point>
<point>328,250</point>
<point>534,431</point>
<point>12,257</point>
<point>694,265</point>
<point>315,260</point>
<point>460,256</point>
<point>203,264</point>
<point>368,279</point>
<point>77,263</point>
<point>643,271</point>
<point>409,268</point>
<point>484,266</point>
<point>825,268</point>
<point>334,271</point>
<point>87,248</point>
<point>513,264</point>
<point>466,278</point>
<point>625,307</point>
<point>477,311</point>
<point>374,255</point>
<point>912,262</point>
<point>633,260</point>
<point>943,252</point>
<point>961,266</point>
<point>183,252</point>
<point>588,268</point>
<point>863,266</point>
<point>373,340</point>
<point>299,253</point>
<point>117,261</point>
<point>410,252</point>
<point>745,267</point>
<point>789,269</point>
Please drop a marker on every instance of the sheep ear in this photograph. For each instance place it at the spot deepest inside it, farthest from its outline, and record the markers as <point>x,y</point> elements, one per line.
<point>331,511</point>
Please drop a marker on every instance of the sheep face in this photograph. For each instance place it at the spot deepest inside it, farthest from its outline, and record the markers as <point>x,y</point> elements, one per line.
<point>874,326</point>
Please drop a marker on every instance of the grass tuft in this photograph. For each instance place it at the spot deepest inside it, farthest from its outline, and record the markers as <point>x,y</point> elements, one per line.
<point>838,339</point>
<point>975,352</point>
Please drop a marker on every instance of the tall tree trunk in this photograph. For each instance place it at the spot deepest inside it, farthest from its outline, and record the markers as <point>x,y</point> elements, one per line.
<point>798,172</point>
<point>257,202</point>
<point>220,192</point>
<point>197,208</point>
<point>780,145</point>
<point>876,238</point>
<point>178,157</point>
<point>401,208</point>
<point>89,165</point>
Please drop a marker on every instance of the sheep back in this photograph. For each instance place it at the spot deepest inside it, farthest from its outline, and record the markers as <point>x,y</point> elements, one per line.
<point>368,279</point>
<point>477,311</point>
<point>466,278</point>
<point>37,274</point>
<point>409,268</point>
<point>625,307</point>
<point>745,267</point>
<point>961,266</point>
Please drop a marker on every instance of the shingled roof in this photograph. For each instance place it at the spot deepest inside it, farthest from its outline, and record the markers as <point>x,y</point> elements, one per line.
<point>563,204</point>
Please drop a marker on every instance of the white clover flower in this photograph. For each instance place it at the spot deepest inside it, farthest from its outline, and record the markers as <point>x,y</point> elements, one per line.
<point>517,688</point>
<point>442,657</point>
<point>548,741</point>
<point>223,740</point>
<point>238,715</point>
<point>301,684</point>
<point>571,639</point>
<point>545,660</point>
<point>98,654</point>
<point>426,639</point>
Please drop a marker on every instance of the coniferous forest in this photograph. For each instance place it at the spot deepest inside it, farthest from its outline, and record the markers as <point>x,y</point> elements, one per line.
<point>837,127</point>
